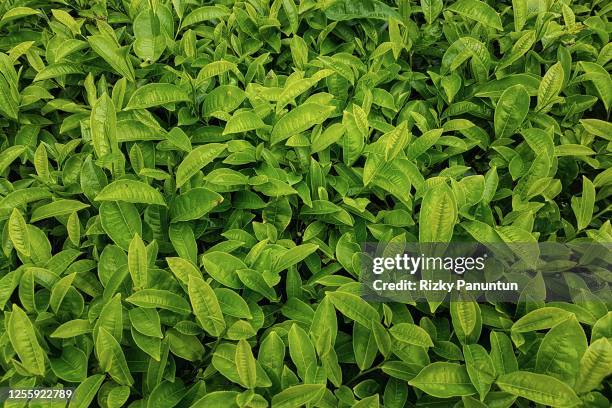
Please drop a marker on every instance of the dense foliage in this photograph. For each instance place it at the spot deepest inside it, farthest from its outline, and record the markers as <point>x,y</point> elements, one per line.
<point>185,189</point>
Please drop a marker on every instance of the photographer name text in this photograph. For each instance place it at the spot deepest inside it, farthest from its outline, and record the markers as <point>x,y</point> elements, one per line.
<point>428,285</point>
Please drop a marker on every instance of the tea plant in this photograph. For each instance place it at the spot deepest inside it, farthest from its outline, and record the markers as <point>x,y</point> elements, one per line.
<point>185,189</point>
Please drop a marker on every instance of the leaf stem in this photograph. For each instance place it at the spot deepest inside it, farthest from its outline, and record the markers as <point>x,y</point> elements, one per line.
<point>363,373</point>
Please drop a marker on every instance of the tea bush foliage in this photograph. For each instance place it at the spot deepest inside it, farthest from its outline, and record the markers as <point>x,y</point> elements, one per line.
<point>185,187</point>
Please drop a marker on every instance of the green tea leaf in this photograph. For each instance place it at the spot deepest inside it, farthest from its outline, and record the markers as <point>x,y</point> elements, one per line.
<point>111,357</point>
<point>353,307</point>
<point>298,395</point>
<point>159,298</point>
<point>138,263</point>
<point>550,86</point>
<point>152,95</point>
<point>480,368</point>
<point>479,11</point>
<point>540,319</point>
<point>594,365</point>
<point>18,233</point>
<point>131,191</point>
<point>245,364</point>
<point>583,207</point>
<point>511,111</point>
<point>23,339</point>
<point>438,215</point>
<point>411,334</point>
<point>115,56</point>
<point>206,306</point>
<point>539,388</point>
<point>443,380</point>
<point>149,43</point>
<point>298,120</point>
<point>561,349</point>
<point>86,391</point>
<point>196,160</point>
